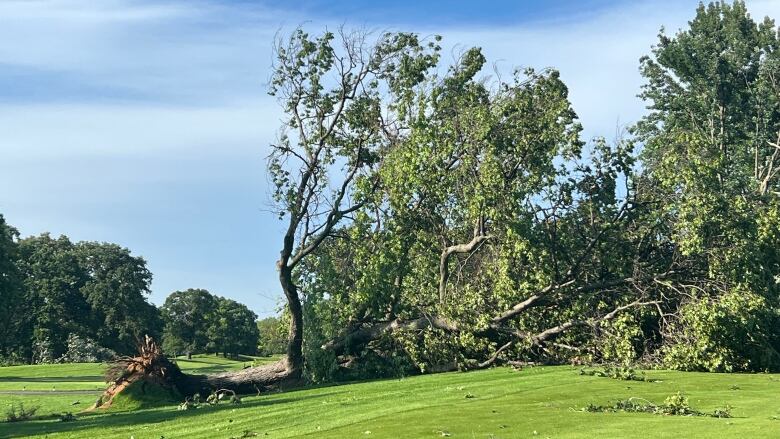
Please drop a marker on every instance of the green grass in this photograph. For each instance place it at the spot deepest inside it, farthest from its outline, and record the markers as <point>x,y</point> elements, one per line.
<point>533,403</point>
<point>74,387</point>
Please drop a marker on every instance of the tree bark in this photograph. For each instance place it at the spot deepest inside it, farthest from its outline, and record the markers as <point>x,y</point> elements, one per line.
<point>279,375</point>
<point>444,273</point>
<point>295,337</point>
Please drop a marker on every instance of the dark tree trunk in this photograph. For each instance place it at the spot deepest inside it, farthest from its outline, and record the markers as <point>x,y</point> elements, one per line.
<point>283,374</point>
<point>295,337</point>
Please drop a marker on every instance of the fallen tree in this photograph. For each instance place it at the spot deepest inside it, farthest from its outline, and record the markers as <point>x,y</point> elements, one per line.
<point>406,196</point>
<point>452,220</point>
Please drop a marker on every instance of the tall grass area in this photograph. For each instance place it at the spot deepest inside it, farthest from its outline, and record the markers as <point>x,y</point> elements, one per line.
<point>500,403</point>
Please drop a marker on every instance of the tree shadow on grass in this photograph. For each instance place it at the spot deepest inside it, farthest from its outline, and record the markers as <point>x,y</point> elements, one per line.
<point>16,379</point>
<point>108,420</point>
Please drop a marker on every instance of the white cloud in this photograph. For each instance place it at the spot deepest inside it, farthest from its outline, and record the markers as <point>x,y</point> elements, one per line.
<point>188,51</point>
<point>598,58</point>
<point>31,132</point>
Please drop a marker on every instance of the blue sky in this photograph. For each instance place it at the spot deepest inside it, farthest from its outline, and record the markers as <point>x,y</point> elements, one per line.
<point>147,123</point>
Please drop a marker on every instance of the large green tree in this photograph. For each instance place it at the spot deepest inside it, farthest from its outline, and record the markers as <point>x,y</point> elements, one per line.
<point>186,315</point>
<point>12,304</point>
<point>91,290</point>
<point>116,294</point>
<point>232,328</point>
<point>712,161</point>
<point>53,281</point>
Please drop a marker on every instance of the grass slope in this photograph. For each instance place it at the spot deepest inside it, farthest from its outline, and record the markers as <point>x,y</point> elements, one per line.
<point>533,403</point>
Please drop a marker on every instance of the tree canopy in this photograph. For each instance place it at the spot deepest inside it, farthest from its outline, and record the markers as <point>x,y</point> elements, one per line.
<point>54,290</point>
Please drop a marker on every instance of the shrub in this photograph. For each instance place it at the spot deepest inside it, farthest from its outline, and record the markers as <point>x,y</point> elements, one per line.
<point>16,414</point>
<point>85,350</point>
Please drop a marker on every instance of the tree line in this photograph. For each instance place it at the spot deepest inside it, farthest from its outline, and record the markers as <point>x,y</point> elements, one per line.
<point>87,301</point>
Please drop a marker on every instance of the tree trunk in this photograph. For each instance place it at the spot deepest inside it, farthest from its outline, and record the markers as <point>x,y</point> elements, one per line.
<point>283,374</point>
<point>295,336</point>
<point>274,376</point>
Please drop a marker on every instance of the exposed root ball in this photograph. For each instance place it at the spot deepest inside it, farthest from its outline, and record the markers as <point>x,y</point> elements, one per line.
<point>150,366</point>
<point>151,372</point>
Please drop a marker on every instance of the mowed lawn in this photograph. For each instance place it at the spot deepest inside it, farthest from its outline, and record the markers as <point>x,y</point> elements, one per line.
<point>59,388</point>
<point>540,402</point>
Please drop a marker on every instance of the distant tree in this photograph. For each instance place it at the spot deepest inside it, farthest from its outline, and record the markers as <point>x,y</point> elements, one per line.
<point>272,336</point>
<point>116,293</point>
<point>13,309</point>
<point>232,329</point>
<point>186,316</point>
<point>53,280</point>
<point>92,290</point>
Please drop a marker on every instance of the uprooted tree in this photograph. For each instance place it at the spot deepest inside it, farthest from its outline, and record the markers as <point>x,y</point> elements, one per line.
<point>440,219</point>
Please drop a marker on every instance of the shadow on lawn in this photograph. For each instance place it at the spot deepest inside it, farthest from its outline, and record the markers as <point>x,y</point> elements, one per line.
<point>15,379</point>
<point>107,420</point>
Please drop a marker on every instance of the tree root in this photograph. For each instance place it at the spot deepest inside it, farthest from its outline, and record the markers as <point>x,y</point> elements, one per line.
<point>152,366</point>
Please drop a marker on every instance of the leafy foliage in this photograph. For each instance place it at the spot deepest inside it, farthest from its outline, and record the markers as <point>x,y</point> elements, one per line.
<point>272,336</point>
<point>673,405</point>
<point>711,153</point>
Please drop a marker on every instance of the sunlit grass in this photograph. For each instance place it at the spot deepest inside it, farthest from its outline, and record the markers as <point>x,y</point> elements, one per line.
<point>537,402</point>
